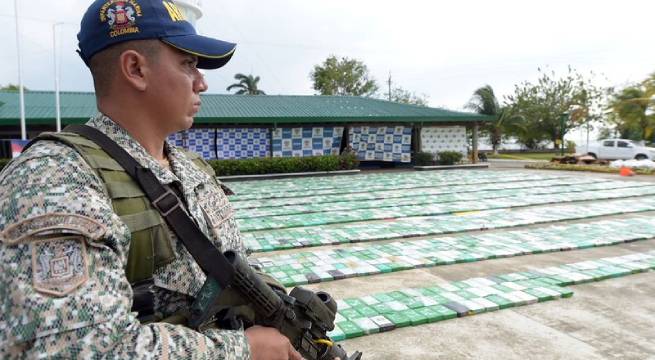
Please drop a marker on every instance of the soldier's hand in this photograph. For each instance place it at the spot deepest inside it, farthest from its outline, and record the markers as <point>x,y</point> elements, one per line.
<point>268,344</point>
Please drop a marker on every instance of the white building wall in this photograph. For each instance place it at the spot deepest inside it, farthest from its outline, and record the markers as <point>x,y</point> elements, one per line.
<point>435,139</point>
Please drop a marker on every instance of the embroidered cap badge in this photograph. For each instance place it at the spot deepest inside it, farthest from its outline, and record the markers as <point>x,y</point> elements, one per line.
<point>121,16</point>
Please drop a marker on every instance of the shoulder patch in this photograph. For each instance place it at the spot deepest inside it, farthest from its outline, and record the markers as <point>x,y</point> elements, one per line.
<point>59,265</point>
<point>53,224</point>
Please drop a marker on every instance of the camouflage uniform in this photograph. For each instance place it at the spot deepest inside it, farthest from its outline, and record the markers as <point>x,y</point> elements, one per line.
<point>63,290</point>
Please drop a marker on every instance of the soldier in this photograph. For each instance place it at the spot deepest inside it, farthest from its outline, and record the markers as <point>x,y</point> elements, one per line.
<point>76,235</point>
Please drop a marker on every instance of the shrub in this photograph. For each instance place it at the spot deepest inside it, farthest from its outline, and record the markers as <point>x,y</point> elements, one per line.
<point>345,161</point>
<point>570,147</point>
<point>423,159</point>
<point>449,157</point>
<point>281,165</point>
<point>348,159</point>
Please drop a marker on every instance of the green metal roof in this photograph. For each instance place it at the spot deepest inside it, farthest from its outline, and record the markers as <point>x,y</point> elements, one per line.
<point>77,107</point>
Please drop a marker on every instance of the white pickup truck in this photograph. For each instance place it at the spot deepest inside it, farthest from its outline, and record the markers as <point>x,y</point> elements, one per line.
<point>613,149</point>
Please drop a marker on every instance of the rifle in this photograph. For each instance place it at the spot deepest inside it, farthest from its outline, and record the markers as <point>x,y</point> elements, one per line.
<point>303,316</point>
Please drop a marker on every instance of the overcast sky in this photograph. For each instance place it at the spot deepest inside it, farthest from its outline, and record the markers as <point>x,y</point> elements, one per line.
<point>443,49</point>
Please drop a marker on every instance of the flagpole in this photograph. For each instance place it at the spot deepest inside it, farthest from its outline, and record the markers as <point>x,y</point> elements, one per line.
<point>23,130</point>
<point>57,103</point>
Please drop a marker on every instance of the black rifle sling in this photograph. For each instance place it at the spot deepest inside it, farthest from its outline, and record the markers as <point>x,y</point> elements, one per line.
<point>164,199</point>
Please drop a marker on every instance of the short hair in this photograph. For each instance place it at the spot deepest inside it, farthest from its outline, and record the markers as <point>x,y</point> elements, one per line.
<point>103,65</point>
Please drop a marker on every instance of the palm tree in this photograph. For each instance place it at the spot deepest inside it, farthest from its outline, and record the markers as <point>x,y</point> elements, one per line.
<point>631,105</point>
<point>484,102</point>
<point>247,85</point>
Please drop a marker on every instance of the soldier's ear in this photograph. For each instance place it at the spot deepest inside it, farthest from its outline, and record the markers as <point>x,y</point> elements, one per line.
<point>134,69</point>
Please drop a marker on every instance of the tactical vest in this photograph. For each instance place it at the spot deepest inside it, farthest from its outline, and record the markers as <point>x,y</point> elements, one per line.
<point>151,242</point>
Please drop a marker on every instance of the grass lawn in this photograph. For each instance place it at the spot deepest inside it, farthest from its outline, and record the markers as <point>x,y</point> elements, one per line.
<point>525,156</point>
<point>592,168</point>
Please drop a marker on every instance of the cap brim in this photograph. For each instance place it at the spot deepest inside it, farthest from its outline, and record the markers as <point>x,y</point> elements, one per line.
<point>211,53</point>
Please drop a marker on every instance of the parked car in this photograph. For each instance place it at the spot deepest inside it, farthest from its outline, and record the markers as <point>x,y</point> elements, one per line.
<point>613,149</point>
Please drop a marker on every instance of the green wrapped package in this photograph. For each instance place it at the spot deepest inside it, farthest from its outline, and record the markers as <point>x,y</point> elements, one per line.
<point>398,319</point>
<point>350,329</point>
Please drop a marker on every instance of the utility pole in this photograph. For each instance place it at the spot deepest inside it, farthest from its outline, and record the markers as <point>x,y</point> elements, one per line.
<point>562,120</point>
<point>23,130</point>
<point>588,128</point>
<point>389,82</point>
<point>56,64</point>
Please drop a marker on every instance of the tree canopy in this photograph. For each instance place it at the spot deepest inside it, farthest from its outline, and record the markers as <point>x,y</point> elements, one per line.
<point>12,87</point>
<point>540,106</point>
<point>343,77</point>
<point>400,95</point>
<point>247,85</point>
<point>632,109</point>
<point>484,102</point>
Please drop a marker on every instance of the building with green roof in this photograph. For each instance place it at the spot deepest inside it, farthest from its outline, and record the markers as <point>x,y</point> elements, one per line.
<point>277,115</point>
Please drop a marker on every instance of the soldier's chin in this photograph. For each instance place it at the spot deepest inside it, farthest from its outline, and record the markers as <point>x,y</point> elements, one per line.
<point>188,125</point>
<point>185,124</point>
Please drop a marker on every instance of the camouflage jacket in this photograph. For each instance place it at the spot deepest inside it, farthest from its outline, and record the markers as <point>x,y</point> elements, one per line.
<point>63,290</point>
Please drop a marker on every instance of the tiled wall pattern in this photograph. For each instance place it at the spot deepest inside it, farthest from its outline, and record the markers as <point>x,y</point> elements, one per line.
<point>435,139</point>
<point>242,143</point>
<point>306,141</point>
<point>382,143</point>
<point>178,139</point>
<point>203,142</point>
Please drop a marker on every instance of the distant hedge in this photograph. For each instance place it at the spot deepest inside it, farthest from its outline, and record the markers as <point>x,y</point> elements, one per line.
<point>449,157</point>
<point>277,165</point>
<point>443,158</point>
<point>423,159</point>
<point>281,165</point>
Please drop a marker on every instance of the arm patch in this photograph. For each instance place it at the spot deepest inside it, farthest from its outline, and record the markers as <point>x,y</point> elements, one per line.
<point>52,224</point>
<point>59,265</point>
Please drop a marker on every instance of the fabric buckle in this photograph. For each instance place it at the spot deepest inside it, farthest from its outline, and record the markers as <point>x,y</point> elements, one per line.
<point>167,202</point>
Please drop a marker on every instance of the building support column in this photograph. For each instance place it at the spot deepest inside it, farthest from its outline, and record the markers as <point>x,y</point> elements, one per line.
<point>345,139</point>
<point>270,139</point>
<point>474,158</point>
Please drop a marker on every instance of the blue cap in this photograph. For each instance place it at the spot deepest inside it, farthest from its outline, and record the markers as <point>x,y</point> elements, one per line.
<point>109,22</point>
